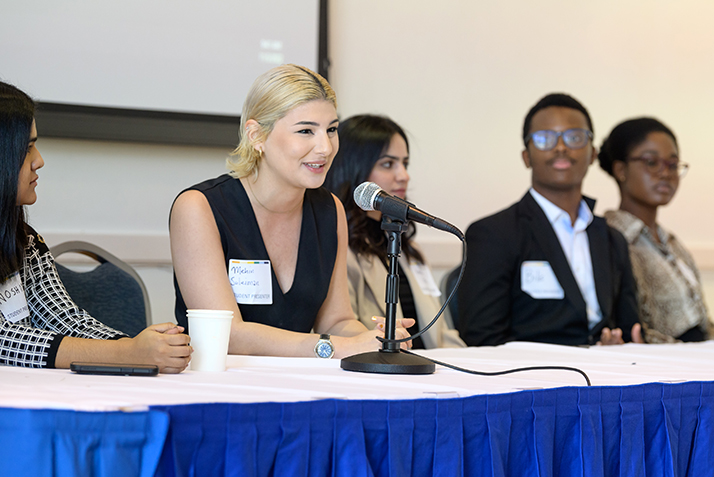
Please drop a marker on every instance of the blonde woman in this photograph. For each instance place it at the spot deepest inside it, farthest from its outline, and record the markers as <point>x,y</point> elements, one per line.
<point>265,240</point>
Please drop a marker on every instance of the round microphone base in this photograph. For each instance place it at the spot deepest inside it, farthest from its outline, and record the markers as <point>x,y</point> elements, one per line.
<point>384,362</point>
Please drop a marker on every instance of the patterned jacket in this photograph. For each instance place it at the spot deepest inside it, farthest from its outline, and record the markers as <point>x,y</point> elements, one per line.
<point>33,341</point>
<point>670,294</point>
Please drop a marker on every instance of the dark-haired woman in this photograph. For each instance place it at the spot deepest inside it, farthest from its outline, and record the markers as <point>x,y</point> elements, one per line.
<point>376,149</point>
<point>40,326</point>
<point>642,155</point>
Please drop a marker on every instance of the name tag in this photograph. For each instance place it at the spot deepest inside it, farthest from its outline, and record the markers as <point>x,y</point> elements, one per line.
<point>13,303</point>
<point>251,281</point>
<point>425,279</point>
<point>539,281</point>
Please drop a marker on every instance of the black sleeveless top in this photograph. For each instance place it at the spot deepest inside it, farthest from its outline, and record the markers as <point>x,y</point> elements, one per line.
<point>297,309</point>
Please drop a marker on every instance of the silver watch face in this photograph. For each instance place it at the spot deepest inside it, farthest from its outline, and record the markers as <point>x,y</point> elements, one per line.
<point>324,349</point>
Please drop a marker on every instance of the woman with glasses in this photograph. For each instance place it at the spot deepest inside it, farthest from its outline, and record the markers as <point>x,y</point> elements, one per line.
<point>643,157</point>
<point>376,149</point>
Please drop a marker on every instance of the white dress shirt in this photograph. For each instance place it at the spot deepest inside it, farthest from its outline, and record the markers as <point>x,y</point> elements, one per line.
<point>574,241</point>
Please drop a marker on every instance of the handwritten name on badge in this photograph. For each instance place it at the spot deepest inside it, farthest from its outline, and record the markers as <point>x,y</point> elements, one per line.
<point>251,281</point>
<point>13,303</point>
<point>425,279</point>
<point>539,281</point>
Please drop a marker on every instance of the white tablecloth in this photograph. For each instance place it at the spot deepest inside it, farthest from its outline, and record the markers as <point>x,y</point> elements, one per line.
<point>269,379</point>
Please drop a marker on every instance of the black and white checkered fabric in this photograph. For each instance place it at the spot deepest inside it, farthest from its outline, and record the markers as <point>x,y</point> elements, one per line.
<point>33,341</point>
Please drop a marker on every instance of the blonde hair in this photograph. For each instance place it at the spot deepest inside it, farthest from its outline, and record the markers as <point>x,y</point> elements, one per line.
<point>272,96</point>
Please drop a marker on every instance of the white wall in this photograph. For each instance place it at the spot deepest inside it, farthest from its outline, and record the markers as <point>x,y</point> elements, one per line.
<point>118,196</point>
<point>459,76</point>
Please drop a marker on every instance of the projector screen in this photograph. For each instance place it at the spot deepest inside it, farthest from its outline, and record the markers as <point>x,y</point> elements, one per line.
<point>152,60</point>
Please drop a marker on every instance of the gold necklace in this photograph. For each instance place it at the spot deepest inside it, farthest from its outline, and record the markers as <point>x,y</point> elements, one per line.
<point>266,208</point>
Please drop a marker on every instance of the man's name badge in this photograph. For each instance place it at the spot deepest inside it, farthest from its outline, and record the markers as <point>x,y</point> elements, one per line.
<point>251,281</point>
<point>13,303</point>
<point>539,281</point>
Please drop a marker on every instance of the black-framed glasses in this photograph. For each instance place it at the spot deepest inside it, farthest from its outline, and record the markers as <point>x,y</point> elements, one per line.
<point>547,139</point>
<point>655,165</point>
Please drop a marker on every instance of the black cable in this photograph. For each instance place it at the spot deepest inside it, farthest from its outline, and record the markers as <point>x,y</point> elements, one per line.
<point>464,370</point>
<point>508,371</point>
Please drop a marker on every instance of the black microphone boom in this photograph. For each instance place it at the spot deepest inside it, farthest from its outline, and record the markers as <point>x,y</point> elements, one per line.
<point>369,196</point>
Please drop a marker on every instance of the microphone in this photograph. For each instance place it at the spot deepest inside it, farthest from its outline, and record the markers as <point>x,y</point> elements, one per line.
<point>369,196</point>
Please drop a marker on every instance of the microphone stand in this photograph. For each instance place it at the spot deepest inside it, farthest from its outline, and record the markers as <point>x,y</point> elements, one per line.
<point>389,359</point>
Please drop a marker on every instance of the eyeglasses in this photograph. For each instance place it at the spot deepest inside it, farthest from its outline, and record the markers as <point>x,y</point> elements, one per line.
<point>655,165</point>
<point>547,139</point>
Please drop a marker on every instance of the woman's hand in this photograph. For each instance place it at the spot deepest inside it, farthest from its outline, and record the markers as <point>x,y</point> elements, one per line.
<point>362,343</point>
<point>401,332</point>
<point>367,340</point>
<point>164,345</point>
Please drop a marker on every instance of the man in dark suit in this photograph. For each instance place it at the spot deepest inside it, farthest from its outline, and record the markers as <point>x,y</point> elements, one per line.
<point>546,269</point>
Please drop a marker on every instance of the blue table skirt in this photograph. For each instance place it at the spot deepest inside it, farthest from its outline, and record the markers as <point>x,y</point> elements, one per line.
<point>644,430</point>
<point>67,443</point>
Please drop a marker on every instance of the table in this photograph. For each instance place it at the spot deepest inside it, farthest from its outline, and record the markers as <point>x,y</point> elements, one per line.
<point>650,412</point>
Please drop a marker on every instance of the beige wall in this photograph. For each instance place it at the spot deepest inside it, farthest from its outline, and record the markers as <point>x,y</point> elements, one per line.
<point>459,76</point>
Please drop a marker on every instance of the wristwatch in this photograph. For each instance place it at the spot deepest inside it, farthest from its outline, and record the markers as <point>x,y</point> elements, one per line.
<point>324,347</point>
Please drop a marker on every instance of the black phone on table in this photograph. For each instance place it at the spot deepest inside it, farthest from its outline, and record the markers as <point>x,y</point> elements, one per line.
<point>112,369</point>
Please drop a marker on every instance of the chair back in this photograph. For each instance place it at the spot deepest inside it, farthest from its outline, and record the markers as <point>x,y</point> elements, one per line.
<point>112,292</point>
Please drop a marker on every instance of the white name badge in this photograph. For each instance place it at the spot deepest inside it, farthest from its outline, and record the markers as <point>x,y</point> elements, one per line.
<point>251,281</point>
<point>539,281</point>
<point>425,279</point>
<point>13,303</point>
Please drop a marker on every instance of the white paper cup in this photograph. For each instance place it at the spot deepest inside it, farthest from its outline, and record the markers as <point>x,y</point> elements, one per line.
<point>210,331</point>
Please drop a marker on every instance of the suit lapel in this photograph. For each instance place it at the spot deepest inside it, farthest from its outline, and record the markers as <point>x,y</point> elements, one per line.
<point>545,237</point>
<point>600,254</point>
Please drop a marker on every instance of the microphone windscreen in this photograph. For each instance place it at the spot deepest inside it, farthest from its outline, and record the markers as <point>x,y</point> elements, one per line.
<point>364,195</point>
